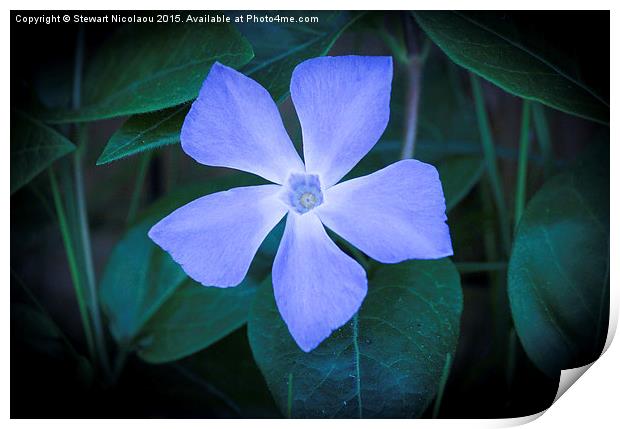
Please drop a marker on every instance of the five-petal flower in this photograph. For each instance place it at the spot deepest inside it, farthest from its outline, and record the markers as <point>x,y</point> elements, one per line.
<point>394,214</point>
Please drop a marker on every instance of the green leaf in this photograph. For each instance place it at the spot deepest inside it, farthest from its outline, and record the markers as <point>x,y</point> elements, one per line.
<point>144,132</point>
<point>139,277</point>
<point>558,275</point>
<point>150,303</point>
<point>278,49</point>
<point>530,61</point>
<point>194,318</point>
<point>386,362</point>
<point>147,67</point>
<point>34,147</point>
<point>459,174</point>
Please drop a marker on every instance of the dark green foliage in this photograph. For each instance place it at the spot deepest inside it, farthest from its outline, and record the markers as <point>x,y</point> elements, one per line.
<point>148,67</point>
<point>521,57</point>
<point>558,278</point>
<point>34,147</point>
<point>386,362</point>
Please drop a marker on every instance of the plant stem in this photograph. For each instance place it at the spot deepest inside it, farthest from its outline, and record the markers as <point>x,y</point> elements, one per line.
<point>119,364</point>
<point>543,136</point>
<point>524,144</point>
<point>490,158</point>
<point>138,186</point>
<point>442,384</point>
<point>415,64</point>
<point>82,216</point>
<point>413,101</point>
<point>84,232</point>
<point>73,269</point>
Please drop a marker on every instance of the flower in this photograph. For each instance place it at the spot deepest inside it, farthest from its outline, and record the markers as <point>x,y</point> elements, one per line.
<point>394,214</point>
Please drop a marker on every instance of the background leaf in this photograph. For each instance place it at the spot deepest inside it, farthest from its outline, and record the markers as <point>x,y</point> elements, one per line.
<point>34,147</point>
<point>139,277</point>
<point>144,132</point>
<point>276,55</point>
<point>150,302</point>
<point>194,318</point>
<point>558,277</point>
<point>148,67</point>
<point>526,58</point>
<point>388,364</point>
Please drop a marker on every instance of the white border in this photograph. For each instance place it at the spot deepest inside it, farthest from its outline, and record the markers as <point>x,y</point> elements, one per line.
<point>592,402</point>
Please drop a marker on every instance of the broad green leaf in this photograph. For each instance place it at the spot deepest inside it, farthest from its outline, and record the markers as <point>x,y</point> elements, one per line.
<point>194,318</point>
<point>34,147</point>
<point>386,362</point>
<point>139,277</point>
<point>150,303</point>
<point>558,275</point>
<point>519,57</point>
<point>278,48</point>
<point>148,67</point>
<point>145,132</point>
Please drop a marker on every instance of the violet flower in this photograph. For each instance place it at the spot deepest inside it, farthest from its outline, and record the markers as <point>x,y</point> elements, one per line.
<point>394,214</point>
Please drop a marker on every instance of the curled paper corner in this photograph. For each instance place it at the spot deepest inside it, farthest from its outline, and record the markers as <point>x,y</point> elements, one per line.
<point>568,377</point>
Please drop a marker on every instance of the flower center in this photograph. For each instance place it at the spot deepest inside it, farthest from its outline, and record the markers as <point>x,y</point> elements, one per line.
<point>303,192</point>
<point>308,200</point>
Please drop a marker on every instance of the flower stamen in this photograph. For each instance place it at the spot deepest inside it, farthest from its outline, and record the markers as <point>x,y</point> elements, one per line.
<point>303,192</point>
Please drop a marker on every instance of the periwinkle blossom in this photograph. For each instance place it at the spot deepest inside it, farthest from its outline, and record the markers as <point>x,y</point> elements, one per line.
<point>394,214</point>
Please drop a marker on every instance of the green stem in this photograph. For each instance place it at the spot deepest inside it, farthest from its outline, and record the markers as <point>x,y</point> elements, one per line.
<point>138,185</point>
<point>398,48</point>
<point>490,158</point>
<point>524,145</point>
<point>442,384</point>
<point>87,257</point>
<point>82,216</point>
<point>73,269</point>
<point>413,101</point>
<point>119,364</point>
<point>543,136</point>
<point>358,381</point>
<point>415,66</point>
